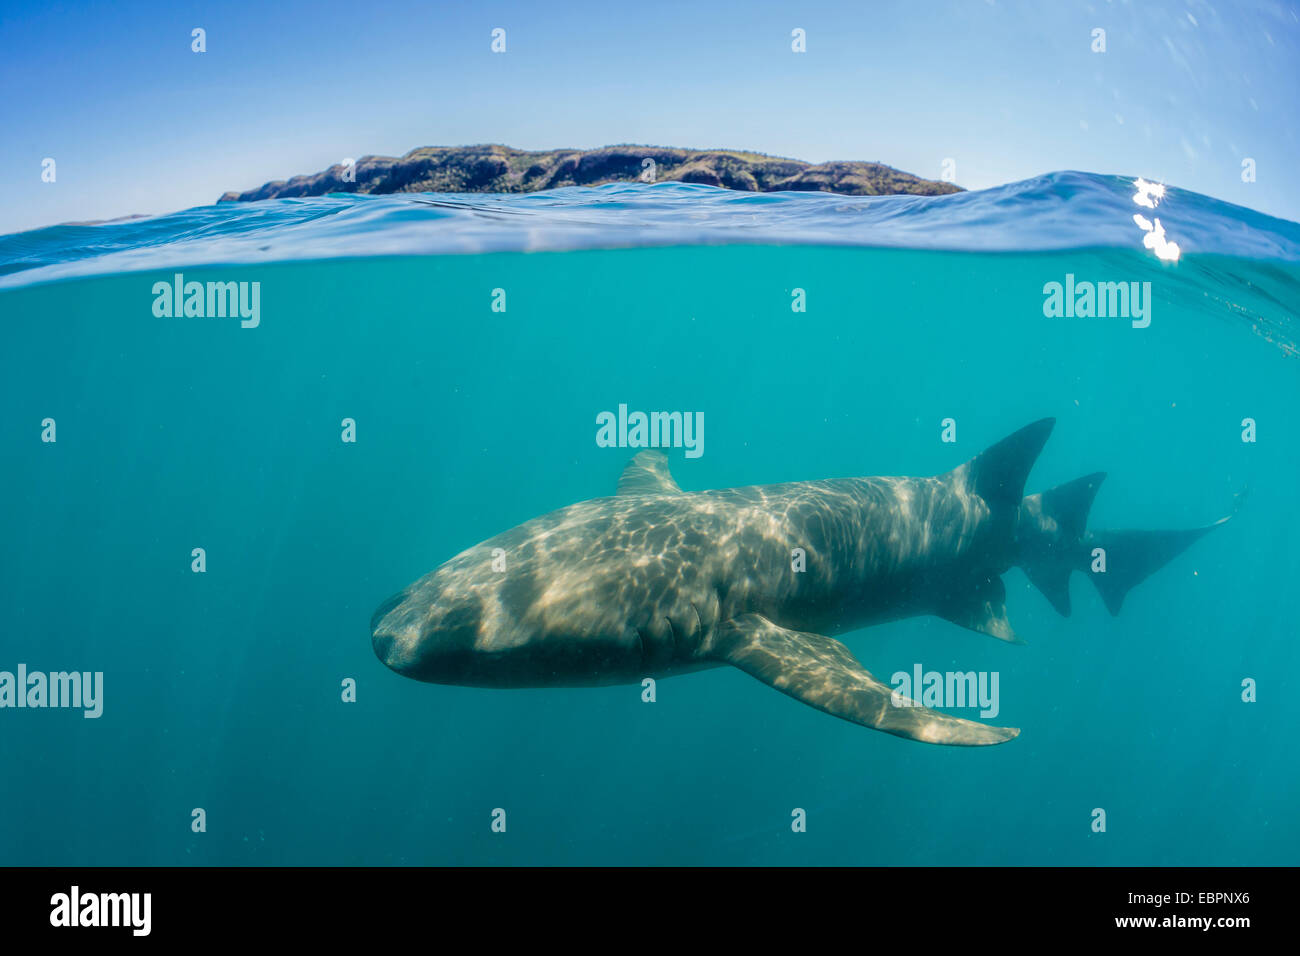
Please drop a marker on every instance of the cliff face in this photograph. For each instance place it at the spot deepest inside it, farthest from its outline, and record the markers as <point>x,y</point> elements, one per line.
<point>500,169</point>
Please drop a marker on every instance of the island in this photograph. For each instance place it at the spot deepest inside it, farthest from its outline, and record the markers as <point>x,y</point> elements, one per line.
<point>501,169</point>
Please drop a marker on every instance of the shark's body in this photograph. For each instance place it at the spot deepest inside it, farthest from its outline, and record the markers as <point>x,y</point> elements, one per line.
<point>655,581</point>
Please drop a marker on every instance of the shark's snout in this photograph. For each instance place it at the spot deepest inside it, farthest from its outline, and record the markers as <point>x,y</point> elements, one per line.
<point>385,628</point>
<point>425,633</point>
<point>382,611</point>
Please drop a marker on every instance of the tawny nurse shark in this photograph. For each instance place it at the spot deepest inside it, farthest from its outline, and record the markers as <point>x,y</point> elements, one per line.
<point>655,581</point>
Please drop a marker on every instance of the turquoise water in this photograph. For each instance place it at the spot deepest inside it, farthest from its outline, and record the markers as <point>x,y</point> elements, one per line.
<point>222,690</point>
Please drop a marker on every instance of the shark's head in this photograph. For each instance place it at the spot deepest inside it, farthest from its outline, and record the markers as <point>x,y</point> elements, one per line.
<point>428,631</point>
<point>535,626</point>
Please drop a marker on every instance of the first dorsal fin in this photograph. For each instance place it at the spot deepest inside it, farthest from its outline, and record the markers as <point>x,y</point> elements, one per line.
<point>998,473</point>
<point>648,474</point>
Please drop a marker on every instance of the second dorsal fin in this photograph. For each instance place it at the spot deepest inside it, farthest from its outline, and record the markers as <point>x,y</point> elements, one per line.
<point>648,474</point>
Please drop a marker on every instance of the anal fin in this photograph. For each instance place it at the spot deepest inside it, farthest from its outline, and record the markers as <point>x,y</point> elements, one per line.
<point>821,672</point>
<point>1053,580</point>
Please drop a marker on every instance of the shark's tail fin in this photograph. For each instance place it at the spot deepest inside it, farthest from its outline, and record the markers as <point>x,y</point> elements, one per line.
<point>1133,556</point>
<point>1050,534</point>
<point>1052,542</point>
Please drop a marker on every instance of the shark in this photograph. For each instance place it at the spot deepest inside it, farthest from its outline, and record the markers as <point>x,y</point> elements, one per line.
<point>655,581</point>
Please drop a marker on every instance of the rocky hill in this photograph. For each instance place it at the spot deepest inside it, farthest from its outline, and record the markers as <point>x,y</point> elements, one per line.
<point>500,169</point>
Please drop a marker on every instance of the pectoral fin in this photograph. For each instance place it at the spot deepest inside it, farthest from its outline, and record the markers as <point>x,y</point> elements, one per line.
<point>821,672</point>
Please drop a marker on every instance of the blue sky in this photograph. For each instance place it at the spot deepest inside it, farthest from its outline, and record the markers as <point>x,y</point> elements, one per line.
<point>138,123</point>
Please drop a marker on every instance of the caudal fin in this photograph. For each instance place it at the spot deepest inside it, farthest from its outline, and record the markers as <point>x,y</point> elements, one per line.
<point>1133,556</point>
<point>1049,536</point>
<point>1051,543</point>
